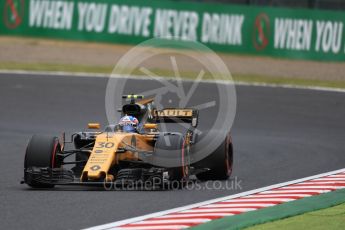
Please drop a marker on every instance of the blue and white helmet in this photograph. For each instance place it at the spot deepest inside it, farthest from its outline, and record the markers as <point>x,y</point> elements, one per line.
<point>128,123</point>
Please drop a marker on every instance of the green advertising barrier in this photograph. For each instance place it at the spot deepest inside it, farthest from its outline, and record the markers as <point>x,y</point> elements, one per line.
<point>276,32</point>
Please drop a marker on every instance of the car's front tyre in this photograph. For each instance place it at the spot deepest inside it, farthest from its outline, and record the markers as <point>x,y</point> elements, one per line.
<point>41,152</point>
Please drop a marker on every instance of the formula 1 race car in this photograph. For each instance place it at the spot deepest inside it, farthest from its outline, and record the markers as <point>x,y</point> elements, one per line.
<point>119,157</point>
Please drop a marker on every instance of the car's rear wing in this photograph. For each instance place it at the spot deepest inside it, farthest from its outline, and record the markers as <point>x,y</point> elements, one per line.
<point>177,115</point>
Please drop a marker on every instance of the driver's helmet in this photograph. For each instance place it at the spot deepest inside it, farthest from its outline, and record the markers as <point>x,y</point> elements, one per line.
<point>128,123</point>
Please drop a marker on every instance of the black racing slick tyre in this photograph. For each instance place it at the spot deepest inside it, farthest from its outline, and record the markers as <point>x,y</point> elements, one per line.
<point>41,152</point>
<point>172,146</point>
<point>219,162</point>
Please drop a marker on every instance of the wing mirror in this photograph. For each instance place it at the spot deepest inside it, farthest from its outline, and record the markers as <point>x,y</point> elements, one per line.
<point>150,126</point>
<point>94,126</point>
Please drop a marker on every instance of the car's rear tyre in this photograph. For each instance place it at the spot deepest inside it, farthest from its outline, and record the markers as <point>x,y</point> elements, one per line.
<point>219,162</point>
<point>41,152</point>
<point>173,146</point>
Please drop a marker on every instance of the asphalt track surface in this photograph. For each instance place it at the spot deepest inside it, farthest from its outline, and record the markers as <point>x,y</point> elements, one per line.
<point>279,135</point>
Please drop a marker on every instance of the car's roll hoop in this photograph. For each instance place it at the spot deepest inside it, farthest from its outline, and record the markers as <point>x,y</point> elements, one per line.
<point>133,97</point>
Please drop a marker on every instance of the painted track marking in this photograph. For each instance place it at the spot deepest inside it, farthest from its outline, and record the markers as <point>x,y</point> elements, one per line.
<point>139,77</point>
<point>199,213</point>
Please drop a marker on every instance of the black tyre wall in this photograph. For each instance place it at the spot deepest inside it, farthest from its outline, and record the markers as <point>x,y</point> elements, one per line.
<point>41,152</point>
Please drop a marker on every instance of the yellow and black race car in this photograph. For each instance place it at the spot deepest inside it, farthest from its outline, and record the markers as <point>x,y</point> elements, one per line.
<point>156,152</point>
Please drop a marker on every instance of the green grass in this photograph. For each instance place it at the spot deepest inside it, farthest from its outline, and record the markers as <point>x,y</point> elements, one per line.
<point>54,67</point>
<point>249,78</point>
<point>329,218</point>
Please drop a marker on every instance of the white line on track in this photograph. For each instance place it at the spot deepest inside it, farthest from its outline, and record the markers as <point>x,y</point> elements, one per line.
<point>184,215</point>
<point>279,196</point>
<point>207,210</point>
<point>337,176</point>
<point>295,191</point>
<point>140,77</point>
<point>261,198</point>
<point>159,227</point>
<point>174,221</point>
<point>236,205</point>
<point>325,180</point>
<point>328,187</point>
